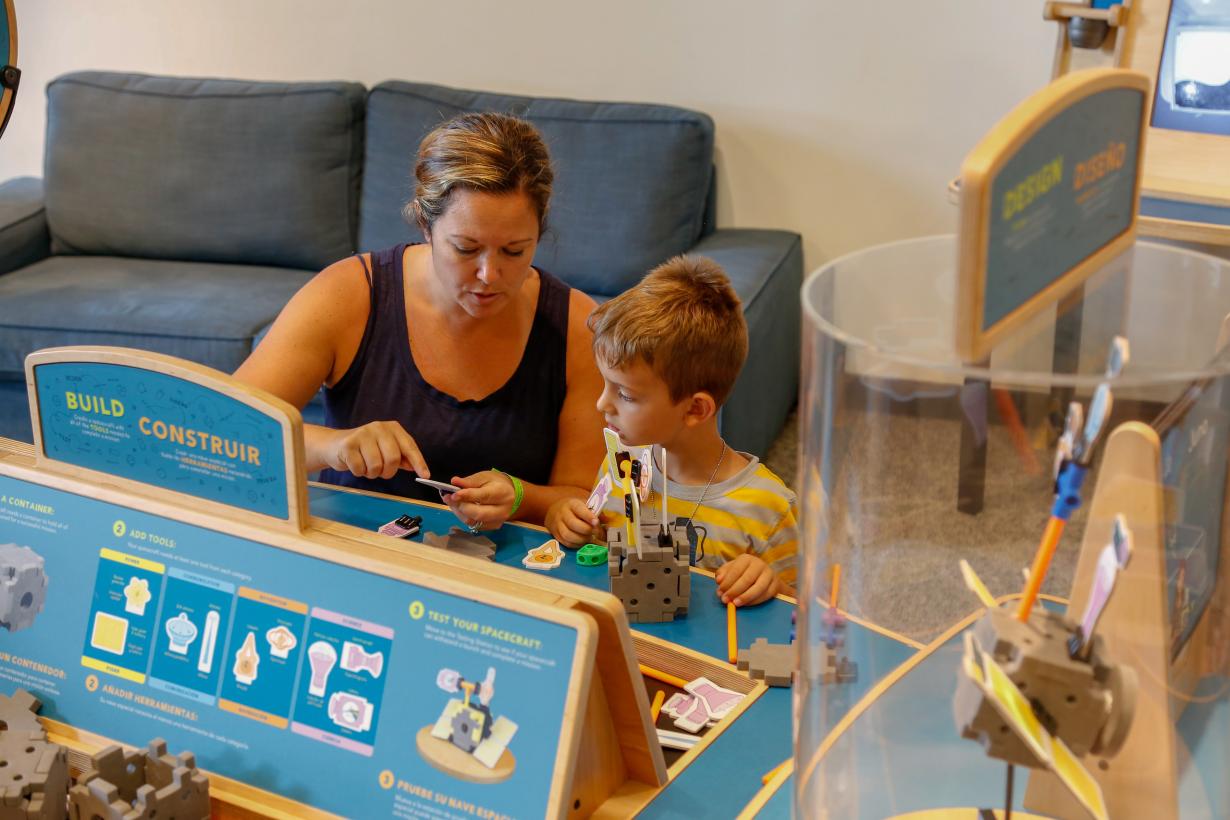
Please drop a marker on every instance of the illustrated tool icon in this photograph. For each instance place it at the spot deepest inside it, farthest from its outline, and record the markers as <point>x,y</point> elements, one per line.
<point>136,596</point>
<point>182,633</point>
<point>322,657</point>
<point>247,660</point>
<point>209,640</point>
<point>350,711</point>
<point>281,641</point>
<point>356,659</point>
<point>110,633</point>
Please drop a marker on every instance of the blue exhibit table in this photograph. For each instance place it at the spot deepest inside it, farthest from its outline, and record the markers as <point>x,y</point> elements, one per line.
<point>727,775</point>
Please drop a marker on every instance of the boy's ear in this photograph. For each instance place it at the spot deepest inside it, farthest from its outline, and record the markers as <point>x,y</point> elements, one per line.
<point>701,408</point>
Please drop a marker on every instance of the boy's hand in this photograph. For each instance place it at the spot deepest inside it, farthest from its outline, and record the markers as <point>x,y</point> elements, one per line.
<point>746,581</point>
<point>571,522</point>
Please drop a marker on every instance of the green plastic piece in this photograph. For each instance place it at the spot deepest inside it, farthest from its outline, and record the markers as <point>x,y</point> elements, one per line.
<point>591,555</point>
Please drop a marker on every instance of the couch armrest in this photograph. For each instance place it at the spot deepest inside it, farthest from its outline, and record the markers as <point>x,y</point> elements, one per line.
<point>766,269</point>
<point>23,223</point>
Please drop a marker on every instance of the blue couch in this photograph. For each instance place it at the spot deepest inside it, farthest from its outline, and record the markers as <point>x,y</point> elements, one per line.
<point>179,215</point>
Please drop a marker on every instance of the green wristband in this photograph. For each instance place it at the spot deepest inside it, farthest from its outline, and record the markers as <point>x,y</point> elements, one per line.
<point>518,491</point>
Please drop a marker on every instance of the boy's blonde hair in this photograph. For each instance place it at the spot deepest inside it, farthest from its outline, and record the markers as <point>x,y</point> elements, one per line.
<point>684,320</point>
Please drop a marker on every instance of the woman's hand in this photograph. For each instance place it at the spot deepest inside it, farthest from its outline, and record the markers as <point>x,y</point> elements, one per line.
<point>572,523</point>
<point>485,500</point>
<point>378,449</point>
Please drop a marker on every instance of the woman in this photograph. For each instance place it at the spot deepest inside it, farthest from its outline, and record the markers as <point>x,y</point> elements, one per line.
<point>455,353</point>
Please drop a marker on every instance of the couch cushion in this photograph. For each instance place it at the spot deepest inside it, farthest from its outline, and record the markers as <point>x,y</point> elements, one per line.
<point>631,180</point>
<point>207,313</point>
<point>203,170</point>
<point>23,223</point>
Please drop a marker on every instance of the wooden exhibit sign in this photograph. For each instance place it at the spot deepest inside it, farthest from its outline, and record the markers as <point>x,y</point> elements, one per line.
<point>9,75</point>
<point>1046,198</point>
<point>314,672</point>
<point>160,421</point>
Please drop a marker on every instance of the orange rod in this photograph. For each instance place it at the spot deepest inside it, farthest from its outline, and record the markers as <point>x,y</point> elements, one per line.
<point>1042,562</point>
<point>1016,431</point>
<point>665,677</point>
<point>655,708</point>
<point>732,635</point>
<point>836,585</point>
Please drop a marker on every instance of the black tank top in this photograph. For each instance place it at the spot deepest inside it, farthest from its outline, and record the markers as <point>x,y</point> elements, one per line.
<point>514,429</point>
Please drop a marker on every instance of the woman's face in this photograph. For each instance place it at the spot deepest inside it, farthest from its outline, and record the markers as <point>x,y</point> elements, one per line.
<point>481,248</point>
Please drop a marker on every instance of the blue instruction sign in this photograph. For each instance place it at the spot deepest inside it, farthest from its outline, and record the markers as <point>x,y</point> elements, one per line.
<point>164,431</point>
<point>1067,192</point>
<point>349,691</point>
<point>1048,197</point>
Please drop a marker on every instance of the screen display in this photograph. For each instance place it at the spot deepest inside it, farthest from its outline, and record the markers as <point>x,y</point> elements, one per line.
<point>1193,82</point>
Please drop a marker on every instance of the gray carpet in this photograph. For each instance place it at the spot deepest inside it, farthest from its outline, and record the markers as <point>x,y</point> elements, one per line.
<point>898,534</point>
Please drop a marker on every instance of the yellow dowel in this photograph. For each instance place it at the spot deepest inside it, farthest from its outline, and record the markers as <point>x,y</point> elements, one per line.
<point>665,677</point>
<point>630,525</point>
<point>772,773</point>
<point>655,708</point>
<point>732,635</point>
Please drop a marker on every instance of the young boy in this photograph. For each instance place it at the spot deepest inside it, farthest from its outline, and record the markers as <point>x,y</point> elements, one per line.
<point>669,350</point>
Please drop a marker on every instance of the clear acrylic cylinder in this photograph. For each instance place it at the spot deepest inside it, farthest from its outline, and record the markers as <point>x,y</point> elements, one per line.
<point>911,460</point>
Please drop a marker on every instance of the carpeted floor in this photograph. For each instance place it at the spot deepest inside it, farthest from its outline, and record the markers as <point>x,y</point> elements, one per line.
<point>783,455</point>
<point>896,530</point>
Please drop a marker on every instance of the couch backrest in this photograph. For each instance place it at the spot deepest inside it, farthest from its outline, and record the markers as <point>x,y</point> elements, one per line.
<point>631,180</point>
<point>203,170</point>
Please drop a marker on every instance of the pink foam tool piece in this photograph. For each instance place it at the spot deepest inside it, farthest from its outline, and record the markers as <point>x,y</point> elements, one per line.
<point>719,701</point>
<point>696,719</point>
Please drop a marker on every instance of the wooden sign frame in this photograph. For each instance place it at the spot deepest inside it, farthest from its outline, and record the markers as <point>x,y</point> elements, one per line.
<point>8,95</point>
<point>265,403</point>
<point>979,173</point>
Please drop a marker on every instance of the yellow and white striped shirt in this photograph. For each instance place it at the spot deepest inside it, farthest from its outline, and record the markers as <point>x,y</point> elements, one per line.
<point>752,511</point>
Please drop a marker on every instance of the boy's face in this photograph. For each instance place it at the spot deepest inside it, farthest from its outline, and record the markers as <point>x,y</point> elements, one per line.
<point>636,403</point>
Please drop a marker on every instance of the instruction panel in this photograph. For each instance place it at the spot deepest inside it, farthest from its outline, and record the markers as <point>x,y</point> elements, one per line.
<point>345,690</point>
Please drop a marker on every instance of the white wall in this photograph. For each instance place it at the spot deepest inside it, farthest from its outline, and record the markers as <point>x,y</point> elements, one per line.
<point>840,119</point>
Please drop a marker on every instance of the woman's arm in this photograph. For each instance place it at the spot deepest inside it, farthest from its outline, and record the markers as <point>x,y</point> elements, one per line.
<point>312,342</point>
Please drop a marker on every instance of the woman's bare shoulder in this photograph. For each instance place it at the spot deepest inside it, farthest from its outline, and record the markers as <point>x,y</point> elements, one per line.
<point>580,305</point>
<point>340,293</point>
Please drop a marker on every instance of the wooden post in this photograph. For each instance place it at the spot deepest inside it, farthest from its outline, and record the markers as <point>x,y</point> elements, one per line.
<point>1140,781</point>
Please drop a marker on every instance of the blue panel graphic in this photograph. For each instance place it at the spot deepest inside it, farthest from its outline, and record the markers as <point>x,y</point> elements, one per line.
<point>122,617</point>
<point>401,658</point>
<point>1066,193</point>
<point>187,653</point>
<point>163,431</point>
<point>4,35</point>
<point>340,692</point>
<point>262,657</point>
